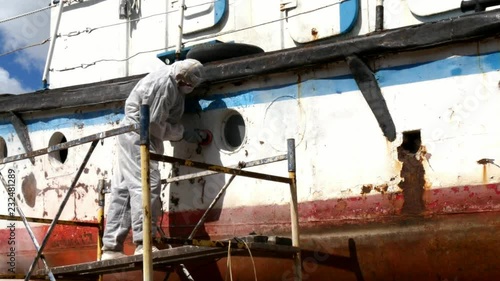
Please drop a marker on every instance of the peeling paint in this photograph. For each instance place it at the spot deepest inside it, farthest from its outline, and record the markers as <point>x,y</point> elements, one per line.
<point>382,188</point>
<point>367,188</point>
<point>28,188</point>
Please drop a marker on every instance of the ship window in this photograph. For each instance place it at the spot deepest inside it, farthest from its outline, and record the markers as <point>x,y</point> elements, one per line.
<point>60,155</point>
<point>3,148</point>
<point>234,130</point>
<point>411,141</point>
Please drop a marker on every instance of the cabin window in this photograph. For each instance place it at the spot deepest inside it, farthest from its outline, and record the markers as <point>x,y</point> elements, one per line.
<point>3,148</point>
<point>59,156</point>
<point>234,130</point>
<point>308,20</point>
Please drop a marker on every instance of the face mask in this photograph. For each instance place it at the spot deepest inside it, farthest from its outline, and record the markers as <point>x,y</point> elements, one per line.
<point>185,89</point>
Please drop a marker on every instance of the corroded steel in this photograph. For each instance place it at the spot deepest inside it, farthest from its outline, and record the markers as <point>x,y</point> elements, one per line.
<point>61,208</point>
<point>29,230</point>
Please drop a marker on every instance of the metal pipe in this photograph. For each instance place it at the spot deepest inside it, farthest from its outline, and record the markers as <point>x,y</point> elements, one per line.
<point>217,168</point>
<point>61,208</point>
<point>52,44</point>
<point>66,145</point>
<point>294,208</point>
<point>61,222</point>
<point>248,164</point>
<point>181,26</point>
<point>28,229</point>
<point>101,186</point>
<point>216,199</point>
<point>379,16</point>
<point>147,259</point>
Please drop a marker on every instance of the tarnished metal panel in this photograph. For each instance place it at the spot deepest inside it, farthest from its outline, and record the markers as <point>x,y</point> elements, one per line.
<point>200,15</point>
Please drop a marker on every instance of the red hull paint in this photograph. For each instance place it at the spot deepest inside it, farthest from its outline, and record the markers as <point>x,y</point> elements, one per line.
<point>368,237</point>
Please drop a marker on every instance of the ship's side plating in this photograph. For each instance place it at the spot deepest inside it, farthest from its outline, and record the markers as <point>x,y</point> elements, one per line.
<point>421,206</point>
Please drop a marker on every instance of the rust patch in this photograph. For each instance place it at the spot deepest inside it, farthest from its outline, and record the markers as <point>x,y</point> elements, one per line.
<point>412,173</point>
<point>314,33</point>
<point>29,191</point>
<point>367,188</point>
<point>174,200</point>
<point>485,174</point>
<point>382,188</point>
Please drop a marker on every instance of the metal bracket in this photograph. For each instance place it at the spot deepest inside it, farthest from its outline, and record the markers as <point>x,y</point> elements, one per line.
<point>370,89</point>
<point>22,133</point>
<point>288,5</point>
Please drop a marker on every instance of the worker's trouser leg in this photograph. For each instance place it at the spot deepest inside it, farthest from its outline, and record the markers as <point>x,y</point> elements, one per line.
<point>125,207</point>
<point>136,204</point>
<point>118,220</point>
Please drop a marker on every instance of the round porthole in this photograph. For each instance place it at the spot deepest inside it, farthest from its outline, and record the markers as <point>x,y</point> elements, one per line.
<point>3,148</point>
<point>60,155</point>
<point>233,130</point>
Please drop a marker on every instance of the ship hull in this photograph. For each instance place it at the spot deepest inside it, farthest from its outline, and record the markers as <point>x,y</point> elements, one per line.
<point>420,206</point>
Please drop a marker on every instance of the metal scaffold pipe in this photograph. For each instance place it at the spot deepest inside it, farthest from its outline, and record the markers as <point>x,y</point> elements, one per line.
<point>61,208</point>
<point>294,208</point>
<point>46,69</point>
<point>146,195</point>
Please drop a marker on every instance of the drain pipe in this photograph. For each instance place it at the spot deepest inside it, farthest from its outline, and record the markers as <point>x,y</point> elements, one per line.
<point>181,25</point>
<point>379,16</point>
<point>52,44</point>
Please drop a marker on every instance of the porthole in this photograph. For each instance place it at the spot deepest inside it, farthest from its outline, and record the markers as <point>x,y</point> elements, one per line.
<point>59,155</point>
<point>233,130</point>
<point>3,148</point>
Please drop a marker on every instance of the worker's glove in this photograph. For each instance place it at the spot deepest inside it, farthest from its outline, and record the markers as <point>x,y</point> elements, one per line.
<point>194,136</point>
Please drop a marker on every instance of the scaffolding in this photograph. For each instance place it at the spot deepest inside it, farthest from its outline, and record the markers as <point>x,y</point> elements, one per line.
<point>192,249</point>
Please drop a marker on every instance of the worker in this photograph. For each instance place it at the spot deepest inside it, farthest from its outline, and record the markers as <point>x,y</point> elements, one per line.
<point>164,92</point>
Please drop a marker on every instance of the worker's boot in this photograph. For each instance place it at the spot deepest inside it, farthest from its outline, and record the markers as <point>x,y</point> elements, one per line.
<point>139,250</point>
<point>110,255</point>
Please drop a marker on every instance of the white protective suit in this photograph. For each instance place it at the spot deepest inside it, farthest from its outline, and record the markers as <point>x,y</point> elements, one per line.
<point>164,91</point>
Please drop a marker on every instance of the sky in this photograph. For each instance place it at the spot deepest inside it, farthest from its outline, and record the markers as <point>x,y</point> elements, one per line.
<point>21,72</point>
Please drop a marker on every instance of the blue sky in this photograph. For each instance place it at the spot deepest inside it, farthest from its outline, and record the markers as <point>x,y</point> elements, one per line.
<point>21,72</point>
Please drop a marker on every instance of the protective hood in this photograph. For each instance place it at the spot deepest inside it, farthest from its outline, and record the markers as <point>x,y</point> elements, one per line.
<point>189,71</point>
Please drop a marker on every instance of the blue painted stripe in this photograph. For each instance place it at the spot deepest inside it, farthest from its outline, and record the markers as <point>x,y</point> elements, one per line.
<point>450,67</point>
<point>349,11</point>
<point>66,121</point>
<point>219,10</point>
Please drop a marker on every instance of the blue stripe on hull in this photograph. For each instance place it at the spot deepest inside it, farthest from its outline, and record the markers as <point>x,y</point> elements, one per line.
<point>450,67</point>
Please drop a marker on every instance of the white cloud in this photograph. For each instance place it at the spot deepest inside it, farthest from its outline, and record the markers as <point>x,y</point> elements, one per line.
<point>9,85</point>
<point>25,31</point>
